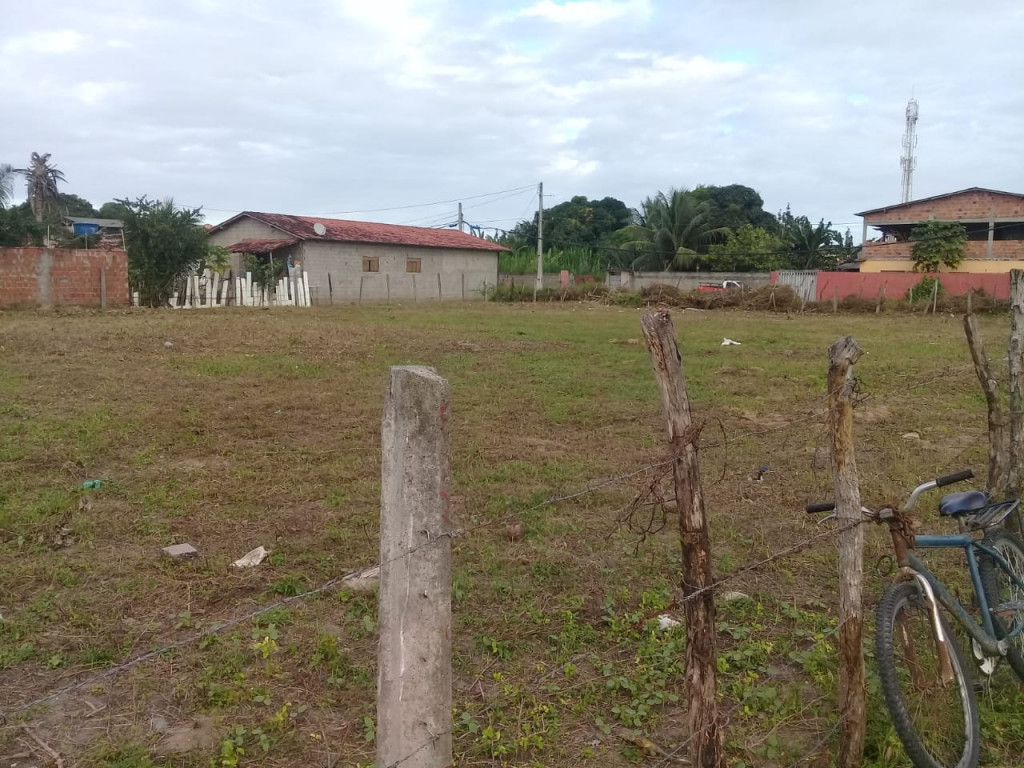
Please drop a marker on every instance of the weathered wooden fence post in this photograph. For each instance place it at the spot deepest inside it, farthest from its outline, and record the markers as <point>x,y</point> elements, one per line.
<point>998,445</point>
<point>414,684</point>
<point>1015,360</point>
<point>852,709</point>
<point>699,601</point>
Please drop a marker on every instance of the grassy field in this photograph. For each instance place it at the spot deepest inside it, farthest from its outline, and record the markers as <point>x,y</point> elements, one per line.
<point>233,429</point>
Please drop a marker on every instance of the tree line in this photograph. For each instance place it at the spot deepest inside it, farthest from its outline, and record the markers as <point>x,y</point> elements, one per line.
<point>710,228</point>
<point>715,228</point>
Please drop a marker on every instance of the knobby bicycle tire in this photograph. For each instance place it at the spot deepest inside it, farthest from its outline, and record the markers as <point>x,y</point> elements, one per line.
<point>999,589</point>
<point>901,604</point>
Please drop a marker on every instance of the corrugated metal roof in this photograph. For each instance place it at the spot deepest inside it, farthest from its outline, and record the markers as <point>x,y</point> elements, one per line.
<point>939,197</point>
<point>256,245</point>
<point>339,230</point>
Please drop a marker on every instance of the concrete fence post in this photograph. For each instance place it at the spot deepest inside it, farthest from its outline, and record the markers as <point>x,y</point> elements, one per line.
<point>414,684</point>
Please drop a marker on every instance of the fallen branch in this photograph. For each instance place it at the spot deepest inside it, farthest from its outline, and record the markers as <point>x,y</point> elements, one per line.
<point>46,747</point>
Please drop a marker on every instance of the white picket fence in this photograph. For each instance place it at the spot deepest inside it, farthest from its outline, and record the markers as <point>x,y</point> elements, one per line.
<point>211,290</point>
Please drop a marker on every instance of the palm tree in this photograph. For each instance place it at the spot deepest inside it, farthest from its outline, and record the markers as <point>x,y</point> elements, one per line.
<point>42,179</point>
<point>6,183</point>
<point>814,246</point>
<point>671,228</point>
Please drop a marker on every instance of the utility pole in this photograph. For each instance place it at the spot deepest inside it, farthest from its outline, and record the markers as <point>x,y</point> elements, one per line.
<point>460,217</point>
<point>540,241</point>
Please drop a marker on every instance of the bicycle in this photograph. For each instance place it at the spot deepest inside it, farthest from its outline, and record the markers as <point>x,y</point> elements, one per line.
<point>924,680</point>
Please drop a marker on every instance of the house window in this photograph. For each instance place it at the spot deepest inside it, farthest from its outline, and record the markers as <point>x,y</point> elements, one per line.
<point>371,264</point>
<point>412,265</point>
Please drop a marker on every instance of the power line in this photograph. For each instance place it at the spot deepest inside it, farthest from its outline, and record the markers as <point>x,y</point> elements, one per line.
<point>394,207</point>
<point>446,217</point>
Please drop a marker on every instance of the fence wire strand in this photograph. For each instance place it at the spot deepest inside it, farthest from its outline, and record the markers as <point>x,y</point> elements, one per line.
<point>653,526</point>
<point>432,539</point>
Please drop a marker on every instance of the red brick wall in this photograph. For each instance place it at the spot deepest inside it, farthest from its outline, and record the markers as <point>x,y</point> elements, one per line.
<point>969,205</point>
<point>868,284</point>
<point>73,277</point>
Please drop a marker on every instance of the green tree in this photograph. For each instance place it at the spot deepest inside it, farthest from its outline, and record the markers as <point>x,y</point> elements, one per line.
<point>749,249</point>
<point>19,227</point>
<point>165,243</point>
<point>42,178</point>
<point>671,230</point>
<point>813,246</point>
<point>576,222</point>
<point>73,205</point>
<point>937,244</point>
<point>112,211</point>
<point>7,174</point>
<point>735,205</point>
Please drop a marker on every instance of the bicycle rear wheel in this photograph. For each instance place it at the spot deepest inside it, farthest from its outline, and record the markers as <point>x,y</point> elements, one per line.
<point>1003,596</point>
<point>936,719</point>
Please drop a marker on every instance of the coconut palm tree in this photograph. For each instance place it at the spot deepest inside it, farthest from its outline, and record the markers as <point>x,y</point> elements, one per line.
<point>6,184</point>
<point>815,247</point>
<point>42,179</point>
<point>670,228</point>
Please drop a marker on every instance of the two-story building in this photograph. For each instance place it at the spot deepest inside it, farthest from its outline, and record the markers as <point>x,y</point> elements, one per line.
<point>994,222</point>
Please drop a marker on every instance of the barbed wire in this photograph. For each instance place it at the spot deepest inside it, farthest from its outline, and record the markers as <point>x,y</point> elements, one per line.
<point>432,538</point>
<point>599,485</point>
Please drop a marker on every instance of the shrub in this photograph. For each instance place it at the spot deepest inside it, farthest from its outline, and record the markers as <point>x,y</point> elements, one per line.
<point>923,290</point>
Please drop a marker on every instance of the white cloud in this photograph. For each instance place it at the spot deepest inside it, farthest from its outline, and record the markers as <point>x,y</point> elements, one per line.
<point>569,129</point>
<point>265,150</point>
<point>585,13</point>
<point>54,41</point>
<point>362,104</point>
<point>93,92</point>
<point>572,164</point>
<point>659,72</point>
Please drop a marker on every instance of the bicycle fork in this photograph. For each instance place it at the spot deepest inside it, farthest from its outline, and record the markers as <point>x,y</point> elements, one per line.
<point>941,640</point>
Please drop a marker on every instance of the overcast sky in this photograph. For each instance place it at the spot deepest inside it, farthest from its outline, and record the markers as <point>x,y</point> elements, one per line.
<point>335,106</point>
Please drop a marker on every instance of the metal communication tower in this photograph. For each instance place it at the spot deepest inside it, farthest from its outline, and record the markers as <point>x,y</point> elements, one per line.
<point>908,161</point>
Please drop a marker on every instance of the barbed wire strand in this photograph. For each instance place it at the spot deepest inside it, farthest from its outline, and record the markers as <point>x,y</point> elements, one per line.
<point>226,625</point>
<point>602,484</point>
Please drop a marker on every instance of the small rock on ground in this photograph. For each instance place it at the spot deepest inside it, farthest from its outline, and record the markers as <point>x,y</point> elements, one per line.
<point>181,551</point>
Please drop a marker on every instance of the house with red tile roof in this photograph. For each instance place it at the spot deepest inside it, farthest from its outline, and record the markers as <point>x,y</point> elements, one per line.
<point>353,260</point>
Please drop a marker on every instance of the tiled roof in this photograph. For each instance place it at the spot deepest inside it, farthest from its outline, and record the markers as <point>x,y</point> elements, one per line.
<point>255,245</point>
<point>939,197</point>
<point>338,230</point>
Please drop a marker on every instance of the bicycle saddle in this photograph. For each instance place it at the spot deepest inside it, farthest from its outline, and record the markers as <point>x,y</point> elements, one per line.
<point>956,504</point>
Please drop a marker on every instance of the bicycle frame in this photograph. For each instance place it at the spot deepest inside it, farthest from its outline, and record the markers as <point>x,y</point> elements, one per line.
<point>985,634</point>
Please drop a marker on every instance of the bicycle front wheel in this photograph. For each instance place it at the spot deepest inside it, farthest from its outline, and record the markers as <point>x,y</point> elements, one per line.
<point>934,713</point>
<point>1005,599</point>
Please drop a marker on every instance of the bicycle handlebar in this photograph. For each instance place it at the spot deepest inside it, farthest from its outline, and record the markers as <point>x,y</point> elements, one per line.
<point>956,477</point>
<point>964,474</point>
<point>820,506</point>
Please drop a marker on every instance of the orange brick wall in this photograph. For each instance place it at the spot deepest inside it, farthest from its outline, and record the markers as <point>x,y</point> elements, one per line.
<point>970,205</point>
<point>60,276</point>
<point>977,250</point>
